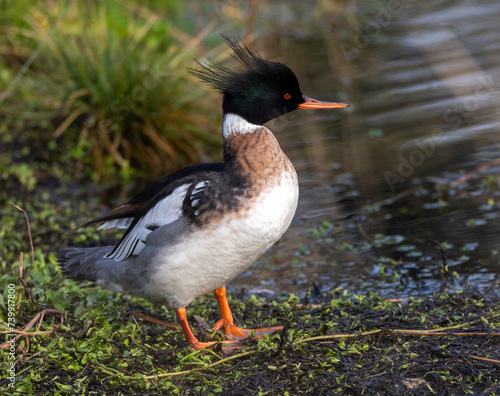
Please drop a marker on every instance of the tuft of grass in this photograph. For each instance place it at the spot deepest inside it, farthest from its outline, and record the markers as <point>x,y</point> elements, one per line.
<point>114,79</point>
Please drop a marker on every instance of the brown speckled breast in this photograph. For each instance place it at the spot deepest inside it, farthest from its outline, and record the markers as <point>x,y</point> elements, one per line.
<point>257,157</point>
<point>255,163</point>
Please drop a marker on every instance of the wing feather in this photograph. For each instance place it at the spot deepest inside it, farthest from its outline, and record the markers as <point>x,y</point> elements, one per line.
<point>164,212</point>
<point>116,223</point>
<point>142,200</point>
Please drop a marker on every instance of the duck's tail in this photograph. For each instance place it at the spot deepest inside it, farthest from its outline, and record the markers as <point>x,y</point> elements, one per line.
<point>92,265</point>
<point>82,263</point>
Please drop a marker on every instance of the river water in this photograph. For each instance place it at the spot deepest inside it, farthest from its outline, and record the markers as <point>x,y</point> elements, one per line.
<point>382,205</point>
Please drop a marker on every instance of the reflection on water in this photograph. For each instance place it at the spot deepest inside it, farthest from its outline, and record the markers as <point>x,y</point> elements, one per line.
<point>423,81</point>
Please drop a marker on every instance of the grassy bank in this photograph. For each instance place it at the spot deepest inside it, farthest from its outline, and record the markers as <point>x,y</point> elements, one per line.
<point>75,338</point>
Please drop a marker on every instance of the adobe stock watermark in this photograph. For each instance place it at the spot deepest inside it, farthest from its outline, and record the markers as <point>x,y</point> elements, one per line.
<point>11,336</point>
<point>454,117</point>
<point>366,33</point>
<point>409,163</point>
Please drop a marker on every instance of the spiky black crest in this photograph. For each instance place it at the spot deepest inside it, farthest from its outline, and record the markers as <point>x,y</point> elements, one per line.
<point>252,87</point>
<point>227,79</point>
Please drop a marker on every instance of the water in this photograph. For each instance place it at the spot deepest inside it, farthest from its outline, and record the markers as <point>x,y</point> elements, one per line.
<point>423,81</point>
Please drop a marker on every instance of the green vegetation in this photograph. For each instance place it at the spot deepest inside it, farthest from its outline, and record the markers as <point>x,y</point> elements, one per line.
<point>75,338</point>
<point>88,342</point>
<point>110,81</point>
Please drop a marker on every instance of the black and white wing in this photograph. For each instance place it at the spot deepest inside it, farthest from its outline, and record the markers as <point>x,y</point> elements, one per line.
<point>124,216</point>
<point>165,211</point>
<point>191,198</point>
<point>188,194</point>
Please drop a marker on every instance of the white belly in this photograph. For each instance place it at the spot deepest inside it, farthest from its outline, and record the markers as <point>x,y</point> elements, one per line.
<point>209,259</point>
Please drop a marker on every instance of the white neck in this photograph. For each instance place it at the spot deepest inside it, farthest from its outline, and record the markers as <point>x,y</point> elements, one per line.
<point>233,124</point>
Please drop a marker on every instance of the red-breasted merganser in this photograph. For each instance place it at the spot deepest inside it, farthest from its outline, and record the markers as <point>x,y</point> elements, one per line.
<point>193,231</point>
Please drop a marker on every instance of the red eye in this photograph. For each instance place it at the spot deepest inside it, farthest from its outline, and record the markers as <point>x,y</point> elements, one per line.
<point>287,96</point>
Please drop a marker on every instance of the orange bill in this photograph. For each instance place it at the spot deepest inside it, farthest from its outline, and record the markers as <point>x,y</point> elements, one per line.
<point>311,103</point>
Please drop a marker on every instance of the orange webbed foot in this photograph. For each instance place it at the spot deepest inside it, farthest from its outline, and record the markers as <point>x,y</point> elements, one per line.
<point>233,332</point>
<point>237,333</point>
<point>226,346</point>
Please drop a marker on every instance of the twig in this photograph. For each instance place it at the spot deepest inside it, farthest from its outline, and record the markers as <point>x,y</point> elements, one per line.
<point>202,322</point>
<point>154,320</point>
<point>338,335</point>
<point>252,7</point>
<point>464,324</point>
<point>137,324</point>
<point>29,235</point>
<point>24,330</point>
<point>204,367</point>
<point>441,333</point>
<point>25,359</point>
<point>478,171</point>
<point>27,333</point>
<point>485,359</point>
<point>21,280</point>
<point>394,332</point>
<point>363,233</point>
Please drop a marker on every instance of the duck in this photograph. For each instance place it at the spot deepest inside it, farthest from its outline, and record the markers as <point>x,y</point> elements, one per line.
<point>193,231</point>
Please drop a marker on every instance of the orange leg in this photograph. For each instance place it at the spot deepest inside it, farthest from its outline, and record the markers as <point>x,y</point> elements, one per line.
<point>233,332</point>
<point>181,315</point>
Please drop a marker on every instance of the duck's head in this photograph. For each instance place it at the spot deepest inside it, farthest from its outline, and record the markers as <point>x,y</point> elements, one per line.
<point>256,89</point>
